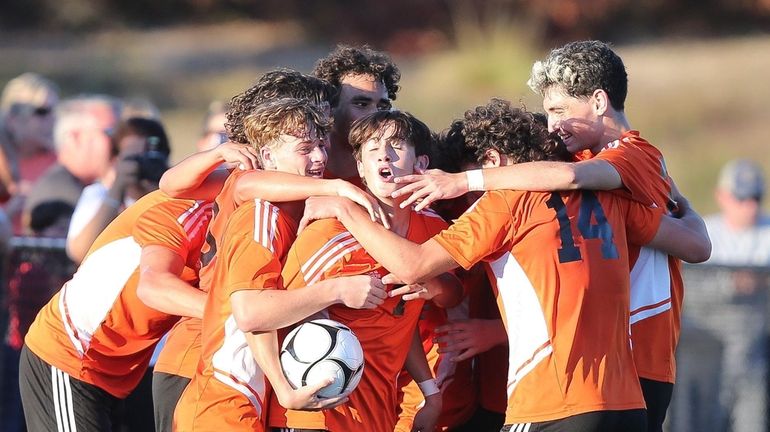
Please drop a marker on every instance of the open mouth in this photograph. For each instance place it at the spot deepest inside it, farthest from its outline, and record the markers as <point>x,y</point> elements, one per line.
<point>386,174</point>
<point>318,172</point>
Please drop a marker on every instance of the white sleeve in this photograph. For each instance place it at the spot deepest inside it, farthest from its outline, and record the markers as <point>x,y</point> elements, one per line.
<point>88,204</point>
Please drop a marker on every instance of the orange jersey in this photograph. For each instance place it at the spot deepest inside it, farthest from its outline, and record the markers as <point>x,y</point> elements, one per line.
<point>560,266</point>
<point>229,389</point>
<point>96,329</point>
<point>181,352</point>
<point>657,290</point>
<point>326,250</point>
<point>454,379</point>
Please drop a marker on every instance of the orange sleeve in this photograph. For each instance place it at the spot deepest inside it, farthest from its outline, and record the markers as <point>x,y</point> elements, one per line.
<point>642,223</point>
<point>159,226</point>
<point>638,169</point>
<point>249,264</point>
<point>483,230</point>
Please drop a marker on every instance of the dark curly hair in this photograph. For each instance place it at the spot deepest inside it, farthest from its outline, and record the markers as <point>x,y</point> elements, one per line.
<point>511,131</point>
<point>346,60</point>
<point>407,128</point>
<point>277,84</point>
<point>449,153</point>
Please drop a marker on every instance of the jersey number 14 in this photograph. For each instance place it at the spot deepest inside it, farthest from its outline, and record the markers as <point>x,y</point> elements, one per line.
<point>589,206</point>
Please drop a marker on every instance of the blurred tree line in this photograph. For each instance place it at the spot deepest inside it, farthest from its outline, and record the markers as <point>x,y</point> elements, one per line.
<point>386,23</point>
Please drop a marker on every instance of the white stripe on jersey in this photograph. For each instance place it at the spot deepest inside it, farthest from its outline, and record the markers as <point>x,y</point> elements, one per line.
<point>528,339</point>
<point>329,252</point>
<point>265,224</point>
<point>234,365</point>
<point>87,298</point>
<point>650,285</point>
<point>199,217</point>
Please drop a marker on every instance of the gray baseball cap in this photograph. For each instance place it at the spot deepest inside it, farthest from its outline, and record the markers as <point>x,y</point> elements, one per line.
<point>743,179</point>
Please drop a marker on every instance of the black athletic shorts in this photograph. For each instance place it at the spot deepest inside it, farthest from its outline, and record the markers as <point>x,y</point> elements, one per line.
<point>166,391</point>
<point>55,401</point>
<point>598,421</point>
<point>657,396</point>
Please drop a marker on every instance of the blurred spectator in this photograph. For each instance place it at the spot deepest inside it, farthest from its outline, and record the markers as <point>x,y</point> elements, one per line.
<point>84,152</point>
<point>740,235</point>
<point>140,107</point>
<point>26,137</point>
<point>140,152</point>
<point>36,270</point>
<point>214,132</point>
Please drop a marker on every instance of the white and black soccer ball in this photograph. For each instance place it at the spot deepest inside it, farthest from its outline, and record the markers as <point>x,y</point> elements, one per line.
<point>319,349</point>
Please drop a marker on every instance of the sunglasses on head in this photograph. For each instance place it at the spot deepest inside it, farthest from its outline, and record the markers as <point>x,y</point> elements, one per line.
<point>42,111</point>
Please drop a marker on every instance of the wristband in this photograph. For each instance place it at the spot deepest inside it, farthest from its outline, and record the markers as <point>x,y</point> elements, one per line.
<point>475,180</point>
<point>428,387</point>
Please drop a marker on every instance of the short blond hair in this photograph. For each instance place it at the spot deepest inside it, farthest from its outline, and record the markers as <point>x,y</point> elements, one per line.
<point>289,116</point>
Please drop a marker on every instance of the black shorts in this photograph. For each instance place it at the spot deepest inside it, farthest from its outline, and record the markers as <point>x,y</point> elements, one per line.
<point>482,420</point>
<point>166,391</point>
<point>657,396</point>
<point>55,401</point>
<point>598,421</point>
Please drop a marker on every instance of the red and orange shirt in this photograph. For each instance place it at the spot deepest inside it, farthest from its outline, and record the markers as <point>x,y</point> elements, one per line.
<point>327,250</point>
<point>95,328</point>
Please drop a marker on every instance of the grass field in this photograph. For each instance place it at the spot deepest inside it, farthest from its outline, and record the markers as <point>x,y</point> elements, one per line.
<point>700,101</point>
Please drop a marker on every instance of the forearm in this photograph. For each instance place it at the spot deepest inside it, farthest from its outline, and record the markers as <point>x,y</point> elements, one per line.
<point>545,176</point>
<point>181,180</point>
<point>265,310</point>
<point>416,362</point>
<point>264,349</point>
<point>277,186</point>
<point>398,255</point>
<point>167,293</point>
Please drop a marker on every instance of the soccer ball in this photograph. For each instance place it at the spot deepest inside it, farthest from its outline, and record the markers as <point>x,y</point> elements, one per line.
<point>319,349</point>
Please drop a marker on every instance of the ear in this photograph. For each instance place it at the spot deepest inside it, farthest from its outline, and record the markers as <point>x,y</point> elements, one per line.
<point>492,159</point>
<point>267,158</point>
<point>421,164</point>
<point>601,102</point>
<point>360,167</point>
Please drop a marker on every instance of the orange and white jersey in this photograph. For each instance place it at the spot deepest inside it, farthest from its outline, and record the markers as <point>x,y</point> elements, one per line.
<point>181,352</point>
<point>455,380</point>
<point>229,390</point>
<point>560,266</point>
<point>95,328</point>
<point>657,289</point>
<point>326,250</point>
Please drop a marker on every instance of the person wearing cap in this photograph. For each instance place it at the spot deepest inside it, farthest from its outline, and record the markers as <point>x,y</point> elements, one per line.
<point>740,236</point>
<point>740,232</point>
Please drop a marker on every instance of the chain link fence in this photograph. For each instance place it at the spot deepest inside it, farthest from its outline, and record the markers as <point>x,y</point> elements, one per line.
<point>722,367</point>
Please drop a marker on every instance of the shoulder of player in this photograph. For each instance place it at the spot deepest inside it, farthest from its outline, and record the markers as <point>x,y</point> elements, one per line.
<point>633,142</point>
